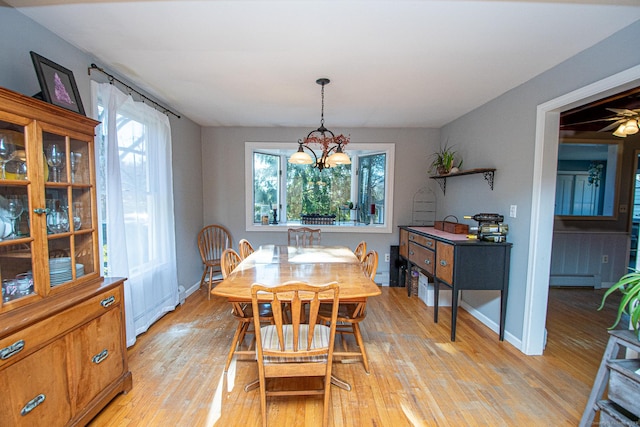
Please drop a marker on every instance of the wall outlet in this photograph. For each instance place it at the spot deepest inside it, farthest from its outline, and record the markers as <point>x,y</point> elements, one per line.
<point>387,257</point>
<point>513,211</point>
<point>605,259</point>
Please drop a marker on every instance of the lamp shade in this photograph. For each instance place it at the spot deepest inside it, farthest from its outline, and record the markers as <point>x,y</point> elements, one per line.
<point>631,127</point>
<point>300,158</point>
<point>620,131</point>
<point>339,158</point>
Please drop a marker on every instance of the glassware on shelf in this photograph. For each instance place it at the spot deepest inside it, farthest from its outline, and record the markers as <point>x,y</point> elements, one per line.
<point>14,209</point>
<point>7,152</point>
<point>55,159</point>
<point>74,159</point>
<point>57,219</point>
<point>77,216</point>
<point>25,283</point>
<point>9,289</point>
<point>21,170</point>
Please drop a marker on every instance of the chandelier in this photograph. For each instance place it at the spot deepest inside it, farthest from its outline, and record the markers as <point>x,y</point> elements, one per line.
<point>331,144</point>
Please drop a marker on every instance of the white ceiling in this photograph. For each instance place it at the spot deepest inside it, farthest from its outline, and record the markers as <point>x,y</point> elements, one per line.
<point>391,63</point>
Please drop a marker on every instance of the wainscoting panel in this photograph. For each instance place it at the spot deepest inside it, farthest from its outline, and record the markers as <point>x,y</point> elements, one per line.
<point>595,259</point>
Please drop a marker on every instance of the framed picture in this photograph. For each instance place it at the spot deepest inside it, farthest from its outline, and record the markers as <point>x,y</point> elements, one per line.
<point>57,84</point>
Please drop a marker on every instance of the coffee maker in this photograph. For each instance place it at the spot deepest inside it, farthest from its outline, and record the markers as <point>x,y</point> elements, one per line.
<point>490,227</point>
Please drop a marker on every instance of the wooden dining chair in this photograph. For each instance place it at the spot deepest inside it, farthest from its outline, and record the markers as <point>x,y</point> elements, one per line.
<point>245,248</point>
<point>243,312</point>
<point>229,260</point>
<point>361,250</point>
<point>351,314</point>
<point>304,236</point>
<point>212,241</point>
<point>302,348</point>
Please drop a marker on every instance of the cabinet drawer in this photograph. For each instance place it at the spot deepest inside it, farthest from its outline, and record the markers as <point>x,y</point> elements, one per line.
<point>35,389</point>
<point>17,345</point>
<point>422,240</point>
<point>422,257</point>
<point>444,262</point>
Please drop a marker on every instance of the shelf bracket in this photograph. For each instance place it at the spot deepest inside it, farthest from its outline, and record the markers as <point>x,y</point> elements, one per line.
<point>443,185</point>
<point>488,175</point>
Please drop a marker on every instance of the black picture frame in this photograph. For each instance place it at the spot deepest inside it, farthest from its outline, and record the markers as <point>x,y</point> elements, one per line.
<point>57,84</point>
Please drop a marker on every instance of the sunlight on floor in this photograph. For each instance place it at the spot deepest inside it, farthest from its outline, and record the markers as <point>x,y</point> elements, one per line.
<point>447,347</point>
<point>413,419</point>
<point>215,409</point>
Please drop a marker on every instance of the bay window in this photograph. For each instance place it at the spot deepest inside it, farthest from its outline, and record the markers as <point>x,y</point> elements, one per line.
<point>343,198</point>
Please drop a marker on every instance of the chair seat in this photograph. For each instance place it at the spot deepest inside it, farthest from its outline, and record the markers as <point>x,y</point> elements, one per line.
<point>321,336</point>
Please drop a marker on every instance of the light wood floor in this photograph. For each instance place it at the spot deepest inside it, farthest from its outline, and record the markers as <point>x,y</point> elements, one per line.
<point>418,377</point>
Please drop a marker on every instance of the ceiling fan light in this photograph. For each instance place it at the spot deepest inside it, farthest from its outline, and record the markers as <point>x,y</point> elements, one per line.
<point>631,127</point>
<point>300,158</point>
<point>620,131</point>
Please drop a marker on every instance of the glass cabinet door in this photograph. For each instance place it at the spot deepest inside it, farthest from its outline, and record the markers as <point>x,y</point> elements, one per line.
<point>68,194</point>
<point>16,270</point>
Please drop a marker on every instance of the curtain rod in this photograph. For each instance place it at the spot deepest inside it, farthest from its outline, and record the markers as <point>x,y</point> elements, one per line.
<point>164,109</point>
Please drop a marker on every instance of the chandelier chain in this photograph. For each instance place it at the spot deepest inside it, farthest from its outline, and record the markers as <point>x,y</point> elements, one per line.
<point>322,107</point>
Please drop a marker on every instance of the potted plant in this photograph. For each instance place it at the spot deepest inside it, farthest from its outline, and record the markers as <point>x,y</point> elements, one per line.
<point>444,161</point>
<point>629,285</point>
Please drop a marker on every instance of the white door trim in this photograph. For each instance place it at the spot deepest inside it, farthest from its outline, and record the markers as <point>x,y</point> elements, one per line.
<point>543,196</point>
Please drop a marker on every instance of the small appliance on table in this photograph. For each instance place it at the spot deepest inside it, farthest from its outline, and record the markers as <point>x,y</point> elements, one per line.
<point>490,227</point>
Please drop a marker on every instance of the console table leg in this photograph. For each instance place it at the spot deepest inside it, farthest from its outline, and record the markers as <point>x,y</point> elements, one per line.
<point>454,311</point>
<point>436,293</point>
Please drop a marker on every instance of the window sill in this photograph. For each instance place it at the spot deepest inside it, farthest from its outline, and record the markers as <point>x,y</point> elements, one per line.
<point>337,228</point>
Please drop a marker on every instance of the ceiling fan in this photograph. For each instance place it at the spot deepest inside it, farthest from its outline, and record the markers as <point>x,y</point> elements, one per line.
<point>625,122</point>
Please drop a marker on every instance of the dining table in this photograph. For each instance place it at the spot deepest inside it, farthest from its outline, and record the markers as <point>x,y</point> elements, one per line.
<point>272,265</point>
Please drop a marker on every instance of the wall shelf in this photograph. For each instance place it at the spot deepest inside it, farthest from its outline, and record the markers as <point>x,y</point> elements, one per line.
<point>486,172</point>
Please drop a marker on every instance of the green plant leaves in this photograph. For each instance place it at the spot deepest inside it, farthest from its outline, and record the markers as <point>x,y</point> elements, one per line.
<point>629,285</point>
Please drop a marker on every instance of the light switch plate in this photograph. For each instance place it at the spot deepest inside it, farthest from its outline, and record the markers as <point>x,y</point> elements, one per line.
<point>513,211</point>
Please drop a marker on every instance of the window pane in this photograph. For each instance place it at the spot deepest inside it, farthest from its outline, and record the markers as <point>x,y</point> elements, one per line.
<point>311,191</point>
<point>371,188</point>
<point>266,169</point>
<point>132,143</point>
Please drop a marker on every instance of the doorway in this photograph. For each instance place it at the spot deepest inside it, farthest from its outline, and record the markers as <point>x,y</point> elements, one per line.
<point>543,201</point>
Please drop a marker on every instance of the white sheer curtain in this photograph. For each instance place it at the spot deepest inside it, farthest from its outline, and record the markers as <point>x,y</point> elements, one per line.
<point>135,182</point>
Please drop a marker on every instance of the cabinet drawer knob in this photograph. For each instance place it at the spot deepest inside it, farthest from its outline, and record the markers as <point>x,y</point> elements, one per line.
<point>108,301</point>
<point>32,404</point>
<point>11,350</point>
<point>427,261</point>
<point>443,263</point>
<point>100,356</point>
<point>411,253</point>
<point>429,243</point>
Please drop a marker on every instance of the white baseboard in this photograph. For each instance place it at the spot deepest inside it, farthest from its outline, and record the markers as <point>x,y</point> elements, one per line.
<point>594,280</point>
<point>495,327</point>
<point>382,278</point>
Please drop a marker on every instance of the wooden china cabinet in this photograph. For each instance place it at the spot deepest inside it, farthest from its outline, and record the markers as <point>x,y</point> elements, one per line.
<point>62,332</point>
